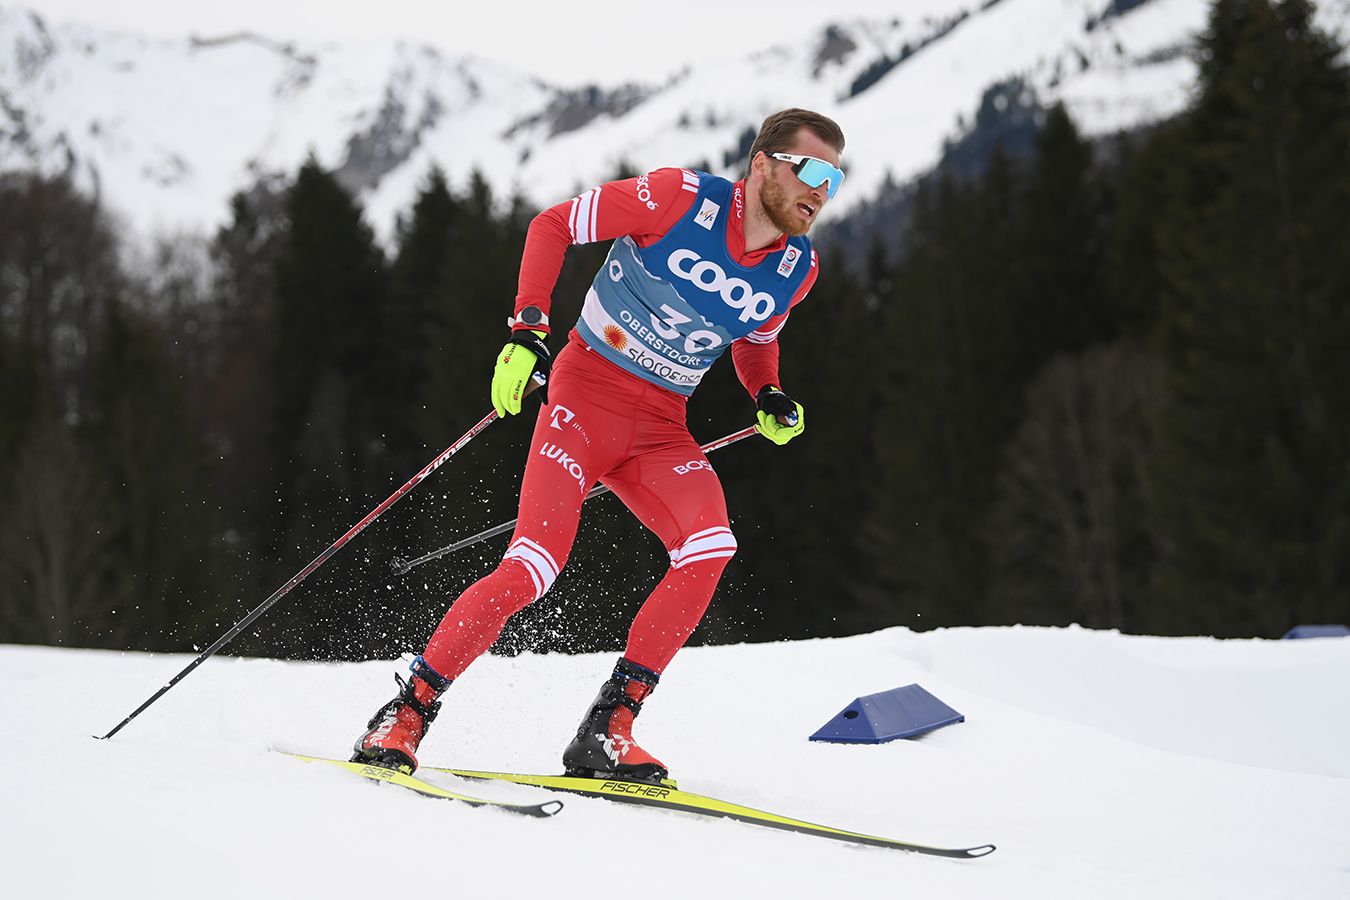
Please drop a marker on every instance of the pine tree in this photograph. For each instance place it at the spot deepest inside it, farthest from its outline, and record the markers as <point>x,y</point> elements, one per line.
<point>159,525</point>
<point>947,400</point>
<point>239,412</point>
<point>826,494</point>
<point>1138,188</point>
<point>59,271</point>
<point>1251,480</point>
<point>1057,292</point>
<point>419,338</point>
<point>330,287</point>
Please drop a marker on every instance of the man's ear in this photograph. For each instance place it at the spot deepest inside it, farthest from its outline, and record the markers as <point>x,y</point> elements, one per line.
<point>758,162</point>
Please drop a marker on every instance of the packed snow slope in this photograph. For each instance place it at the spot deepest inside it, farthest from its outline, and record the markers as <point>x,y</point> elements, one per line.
<point>1101,765</point>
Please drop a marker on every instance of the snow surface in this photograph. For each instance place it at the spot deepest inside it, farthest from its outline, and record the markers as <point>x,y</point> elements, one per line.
<point>1101,765</point>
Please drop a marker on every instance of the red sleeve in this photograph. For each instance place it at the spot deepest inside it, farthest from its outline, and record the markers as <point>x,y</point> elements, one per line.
<point>645,207</point>
<point>756,354</point>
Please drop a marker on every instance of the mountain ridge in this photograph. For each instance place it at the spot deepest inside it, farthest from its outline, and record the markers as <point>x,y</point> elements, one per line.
<point>166,130</point>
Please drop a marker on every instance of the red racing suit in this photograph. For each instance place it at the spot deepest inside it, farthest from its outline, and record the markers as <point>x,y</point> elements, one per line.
<point>605,424</point>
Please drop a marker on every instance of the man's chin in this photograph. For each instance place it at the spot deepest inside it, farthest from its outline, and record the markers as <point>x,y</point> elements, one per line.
<point>791,225</point>
<point>774,206</point>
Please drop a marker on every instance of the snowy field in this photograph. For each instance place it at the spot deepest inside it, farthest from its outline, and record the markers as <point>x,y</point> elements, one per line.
<point>1101,765</point>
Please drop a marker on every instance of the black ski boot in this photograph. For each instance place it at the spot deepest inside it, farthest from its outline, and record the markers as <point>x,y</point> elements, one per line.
<point>398,727</point>
<point>604,745</point>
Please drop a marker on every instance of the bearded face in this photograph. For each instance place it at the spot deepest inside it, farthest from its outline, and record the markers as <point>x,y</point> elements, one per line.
<point>785,201</point>
<point>784,209</point>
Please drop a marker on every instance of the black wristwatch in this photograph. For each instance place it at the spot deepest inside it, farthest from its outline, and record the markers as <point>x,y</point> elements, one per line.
<point>530,317</point>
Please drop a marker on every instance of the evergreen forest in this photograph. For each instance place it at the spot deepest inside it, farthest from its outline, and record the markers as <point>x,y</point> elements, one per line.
<point>1098,382</point>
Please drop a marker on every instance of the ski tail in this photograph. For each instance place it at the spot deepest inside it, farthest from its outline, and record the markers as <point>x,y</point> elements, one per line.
<point>664,797</point>
<point>383,775</point>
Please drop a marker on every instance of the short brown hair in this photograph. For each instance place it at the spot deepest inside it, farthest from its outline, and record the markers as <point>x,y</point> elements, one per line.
<point>780,129</point>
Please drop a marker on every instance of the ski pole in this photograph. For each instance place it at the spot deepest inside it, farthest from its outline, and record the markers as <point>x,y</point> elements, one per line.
<point>316,562</point>
<point>403,568</point>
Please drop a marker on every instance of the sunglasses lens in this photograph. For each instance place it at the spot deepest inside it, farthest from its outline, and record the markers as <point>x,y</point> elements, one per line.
<point>815,172</point>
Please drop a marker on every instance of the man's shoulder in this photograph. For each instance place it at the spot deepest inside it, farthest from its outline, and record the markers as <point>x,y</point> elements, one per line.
<point>675,177</point>
<point>665,188</point>
<point>804,247</point>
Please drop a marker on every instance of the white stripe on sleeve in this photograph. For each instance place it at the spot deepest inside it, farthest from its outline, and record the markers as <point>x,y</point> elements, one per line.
<point>585,211</point>
<point>766,337</point>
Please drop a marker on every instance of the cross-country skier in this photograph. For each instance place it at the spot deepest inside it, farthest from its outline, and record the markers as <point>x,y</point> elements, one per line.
<point>700,265</point>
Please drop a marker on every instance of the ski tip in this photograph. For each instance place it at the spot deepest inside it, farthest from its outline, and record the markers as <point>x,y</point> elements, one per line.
<point>551,808</point>
<point>982,850</point>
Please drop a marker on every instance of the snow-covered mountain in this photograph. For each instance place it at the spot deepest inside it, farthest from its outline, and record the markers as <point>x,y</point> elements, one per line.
<point>166,130</point>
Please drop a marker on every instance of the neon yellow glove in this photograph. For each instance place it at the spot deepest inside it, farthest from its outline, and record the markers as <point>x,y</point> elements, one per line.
<point>780,418</point>
<point>523,355</point>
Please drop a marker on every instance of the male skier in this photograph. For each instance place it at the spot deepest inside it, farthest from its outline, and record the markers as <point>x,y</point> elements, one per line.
<point>701,265</point>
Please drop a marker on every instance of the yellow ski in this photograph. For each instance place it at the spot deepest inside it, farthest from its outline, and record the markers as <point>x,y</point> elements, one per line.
<point>668,797</point>
<point>381,775</point>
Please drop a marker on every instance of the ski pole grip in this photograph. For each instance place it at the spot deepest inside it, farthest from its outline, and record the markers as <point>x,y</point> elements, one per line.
<point>538,382</point>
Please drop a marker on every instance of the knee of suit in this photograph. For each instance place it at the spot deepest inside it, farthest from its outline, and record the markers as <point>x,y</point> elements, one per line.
<point>537,562</point>
<point>701,546</point>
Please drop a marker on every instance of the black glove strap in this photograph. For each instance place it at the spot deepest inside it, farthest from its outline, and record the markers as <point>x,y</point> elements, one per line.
<point>543,362</point>
<point>774,402</point>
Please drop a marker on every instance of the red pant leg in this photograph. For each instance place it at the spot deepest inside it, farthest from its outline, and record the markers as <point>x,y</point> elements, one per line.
<point>583,432</point>
<point>674,491</point>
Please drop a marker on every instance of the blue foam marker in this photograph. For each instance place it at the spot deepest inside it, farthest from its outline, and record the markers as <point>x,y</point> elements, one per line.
<point>1316,631</point>
<point>901,712</point>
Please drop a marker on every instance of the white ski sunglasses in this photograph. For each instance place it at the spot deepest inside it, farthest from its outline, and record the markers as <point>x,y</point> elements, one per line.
<point>813,171</point>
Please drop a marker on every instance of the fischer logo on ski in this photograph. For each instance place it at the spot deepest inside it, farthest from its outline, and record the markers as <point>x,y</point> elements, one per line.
<point>635,787</point>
